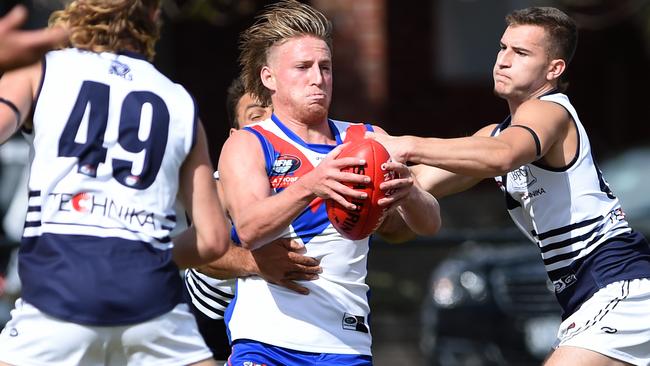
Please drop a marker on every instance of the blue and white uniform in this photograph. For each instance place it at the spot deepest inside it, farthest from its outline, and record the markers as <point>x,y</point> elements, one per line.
<point>576,220</point>
<point>333,318</point>
<point>597,263</point>
<point>110,135</point>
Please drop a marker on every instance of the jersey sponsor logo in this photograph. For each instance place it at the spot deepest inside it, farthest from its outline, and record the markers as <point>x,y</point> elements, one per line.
<point>564,282</point>
<point>531,194</point>
<point>285,164</point>
<point>253,363</point>
<point>522,177</point>
<point>120,69</point>
<point>89,204</point>
<point>354,322</point>
<point>616,215</point>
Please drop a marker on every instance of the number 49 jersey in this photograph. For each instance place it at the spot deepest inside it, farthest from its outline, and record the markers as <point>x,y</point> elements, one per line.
<point>110,136</point>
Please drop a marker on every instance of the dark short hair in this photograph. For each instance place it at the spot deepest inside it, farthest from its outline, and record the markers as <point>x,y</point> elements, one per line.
<point>561,29</point>
<point>235,91</point>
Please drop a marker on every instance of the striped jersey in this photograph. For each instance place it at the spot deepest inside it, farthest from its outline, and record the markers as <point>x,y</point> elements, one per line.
<point>110,135</point>
<point>333,318</point>
<point>578,223</point>
<point>209,295</point>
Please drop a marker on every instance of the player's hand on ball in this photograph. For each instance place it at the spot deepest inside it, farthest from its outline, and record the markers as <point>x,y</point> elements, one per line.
<point>327,179</point>
<point>396,145</point>
<point>398,188</point>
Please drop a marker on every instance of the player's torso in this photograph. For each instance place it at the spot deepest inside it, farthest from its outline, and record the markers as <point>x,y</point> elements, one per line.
<point>333,318</point>
<point>110,135</point>
<point>571,214</point>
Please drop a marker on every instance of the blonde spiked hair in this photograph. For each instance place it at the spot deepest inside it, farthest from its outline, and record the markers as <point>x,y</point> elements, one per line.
<point>111,25</point>
<point>278,23</point>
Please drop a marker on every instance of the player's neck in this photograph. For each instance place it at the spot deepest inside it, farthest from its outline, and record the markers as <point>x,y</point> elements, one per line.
<point>315,130</point>
<point>515,102</point>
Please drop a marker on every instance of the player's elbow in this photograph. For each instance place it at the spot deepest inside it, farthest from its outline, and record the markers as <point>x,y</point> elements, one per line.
<point>249,237</point>
<point>502,163</point>
<point>213,245</point>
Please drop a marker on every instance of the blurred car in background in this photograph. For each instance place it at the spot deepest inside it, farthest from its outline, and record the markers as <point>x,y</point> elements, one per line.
<point>489,304</point>
<point>490,301</point>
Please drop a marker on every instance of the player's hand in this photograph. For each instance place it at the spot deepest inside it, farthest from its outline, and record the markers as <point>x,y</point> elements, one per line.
<point>21,48</point>
<point>397,146</point>
<point>327,180</point>
<point>398,188</point>
<point>281,262</point>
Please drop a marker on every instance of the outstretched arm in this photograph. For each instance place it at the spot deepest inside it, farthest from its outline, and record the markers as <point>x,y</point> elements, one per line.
<point>482,156</point>
<point>280,262</point>
<point>415,207</point>
<point>21,48</point>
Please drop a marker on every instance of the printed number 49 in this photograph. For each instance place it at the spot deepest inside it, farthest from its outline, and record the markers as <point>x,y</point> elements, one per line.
<point>94,96</point>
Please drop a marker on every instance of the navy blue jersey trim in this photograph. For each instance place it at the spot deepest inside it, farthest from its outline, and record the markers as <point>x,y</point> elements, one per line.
<point>565,229</point>
<point>164,240</point>
<point>24,128</point>
<point>34,209</point>
<point>564,243</point>
<point>511,203</point>
<point>132,54</point>
<point>575,157</point>
<point>267,149</point>
<point>34,194</point>
<point>223,302</point>
<point>319,148</point>
<point>32,224</point>
<point>573,254</point>
<point>501,126</point>
<point>538,145</point>
<point>195,122</point>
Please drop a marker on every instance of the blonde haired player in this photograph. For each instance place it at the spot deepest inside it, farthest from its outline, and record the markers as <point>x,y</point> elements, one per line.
<point>114,140</point>
<point>288,167</point>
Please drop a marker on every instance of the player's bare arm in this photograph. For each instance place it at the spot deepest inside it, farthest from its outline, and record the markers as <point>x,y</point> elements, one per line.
<point>17,90</point>
<point>209,237</point>
<point>259,216</point>
<point>484,156</point>
<point>279,262</point>
<point>416,207</point>
<point>21,48</point>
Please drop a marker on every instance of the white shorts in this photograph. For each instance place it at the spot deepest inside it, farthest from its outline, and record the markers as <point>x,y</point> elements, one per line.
<point>615,322</point>
<point>34,338</point>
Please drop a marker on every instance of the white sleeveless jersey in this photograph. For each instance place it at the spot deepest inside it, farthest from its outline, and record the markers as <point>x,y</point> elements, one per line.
<point>569,213</point>
<point>333,318</point>
<point>110,135</point>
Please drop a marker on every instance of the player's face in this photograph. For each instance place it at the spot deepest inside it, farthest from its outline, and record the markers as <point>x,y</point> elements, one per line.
<point>522,63</point>
<point>249,110</point>
<point>300,76</point>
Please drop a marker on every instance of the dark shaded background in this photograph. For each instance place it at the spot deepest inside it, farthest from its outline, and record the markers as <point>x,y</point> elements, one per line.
<point>424,68</point>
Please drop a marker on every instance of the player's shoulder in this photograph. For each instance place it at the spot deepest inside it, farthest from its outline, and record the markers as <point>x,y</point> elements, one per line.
<point>542,110</point>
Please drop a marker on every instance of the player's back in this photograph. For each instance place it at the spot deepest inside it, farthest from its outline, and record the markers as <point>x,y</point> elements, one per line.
<point>110,136</point>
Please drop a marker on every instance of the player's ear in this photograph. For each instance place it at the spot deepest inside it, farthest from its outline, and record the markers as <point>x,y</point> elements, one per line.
<point>268,79</point>
<point>232,130</point>
<point>555,69</point>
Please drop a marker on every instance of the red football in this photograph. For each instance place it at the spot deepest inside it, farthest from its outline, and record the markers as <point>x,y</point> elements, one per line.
<point>361,222</point>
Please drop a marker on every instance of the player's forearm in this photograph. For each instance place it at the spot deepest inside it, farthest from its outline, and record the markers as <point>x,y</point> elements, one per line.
<point>421,212</point>
<point>268,218</point>
<point>476,156</point>
<point>237,262</point>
